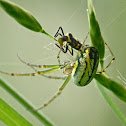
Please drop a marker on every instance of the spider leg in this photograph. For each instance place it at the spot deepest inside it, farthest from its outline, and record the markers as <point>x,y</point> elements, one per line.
<point>53,77</point>
<point>31,74</point>
<point>57,94</point>
<point>63,50</point>
<point>50,77</point>
<point>37,65</point>
<point>84,41</point>
<point>113,58</point>
<point>58,56</point>
<point>42,66</point>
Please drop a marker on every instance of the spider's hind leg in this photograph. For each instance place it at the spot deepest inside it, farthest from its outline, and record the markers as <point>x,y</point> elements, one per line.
<point>112,60</point>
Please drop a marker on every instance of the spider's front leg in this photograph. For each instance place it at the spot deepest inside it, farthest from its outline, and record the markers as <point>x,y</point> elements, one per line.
<point>37,65</point>
<point>43,66</point>
<point>31,74</point>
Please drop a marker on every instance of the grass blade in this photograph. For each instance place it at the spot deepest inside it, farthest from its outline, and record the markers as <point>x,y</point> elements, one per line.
<point>112,105</point>
<point>95,32</point>
<point>118,89</point>
<point>9,116</point>
<point>28,107</point>
<point>98,42</point>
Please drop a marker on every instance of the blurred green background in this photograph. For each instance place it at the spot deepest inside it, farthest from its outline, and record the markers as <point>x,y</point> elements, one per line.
<point>77,106</point>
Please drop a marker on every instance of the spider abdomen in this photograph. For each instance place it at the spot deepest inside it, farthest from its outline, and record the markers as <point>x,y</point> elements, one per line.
<point>85,66</point>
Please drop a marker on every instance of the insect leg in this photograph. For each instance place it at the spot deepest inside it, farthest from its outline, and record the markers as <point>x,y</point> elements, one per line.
<point>71,51</point>
<point>57,33</point>
<point>61,49</point>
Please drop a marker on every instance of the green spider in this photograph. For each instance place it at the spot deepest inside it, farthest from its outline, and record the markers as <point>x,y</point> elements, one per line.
<point>82,69</point>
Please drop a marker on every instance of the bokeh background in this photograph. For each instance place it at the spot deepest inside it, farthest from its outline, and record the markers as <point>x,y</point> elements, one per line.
<point>77,106</point>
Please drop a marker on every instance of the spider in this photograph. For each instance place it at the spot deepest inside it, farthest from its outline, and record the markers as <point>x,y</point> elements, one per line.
<point>82,70</point>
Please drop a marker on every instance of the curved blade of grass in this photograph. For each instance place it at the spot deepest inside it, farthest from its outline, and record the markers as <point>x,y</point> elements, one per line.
<point>9,116</point>
<point>98,42</point>
<point>22,16</point>
<point>112,105</point>
<point>27,105</point>
<point>117,88</point>
<point>95,33</point>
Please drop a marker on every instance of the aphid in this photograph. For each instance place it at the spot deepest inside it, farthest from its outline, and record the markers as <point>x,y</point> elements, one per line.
<point>82,69</point>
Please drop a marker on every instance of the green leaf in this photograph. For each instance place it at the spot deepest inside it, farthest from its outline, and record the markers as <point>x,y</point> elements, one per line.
<point>95,33</point>
<point>27,105</point>
<point>9,116</point>
<point>117,88</point>
<point>21,15</point>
